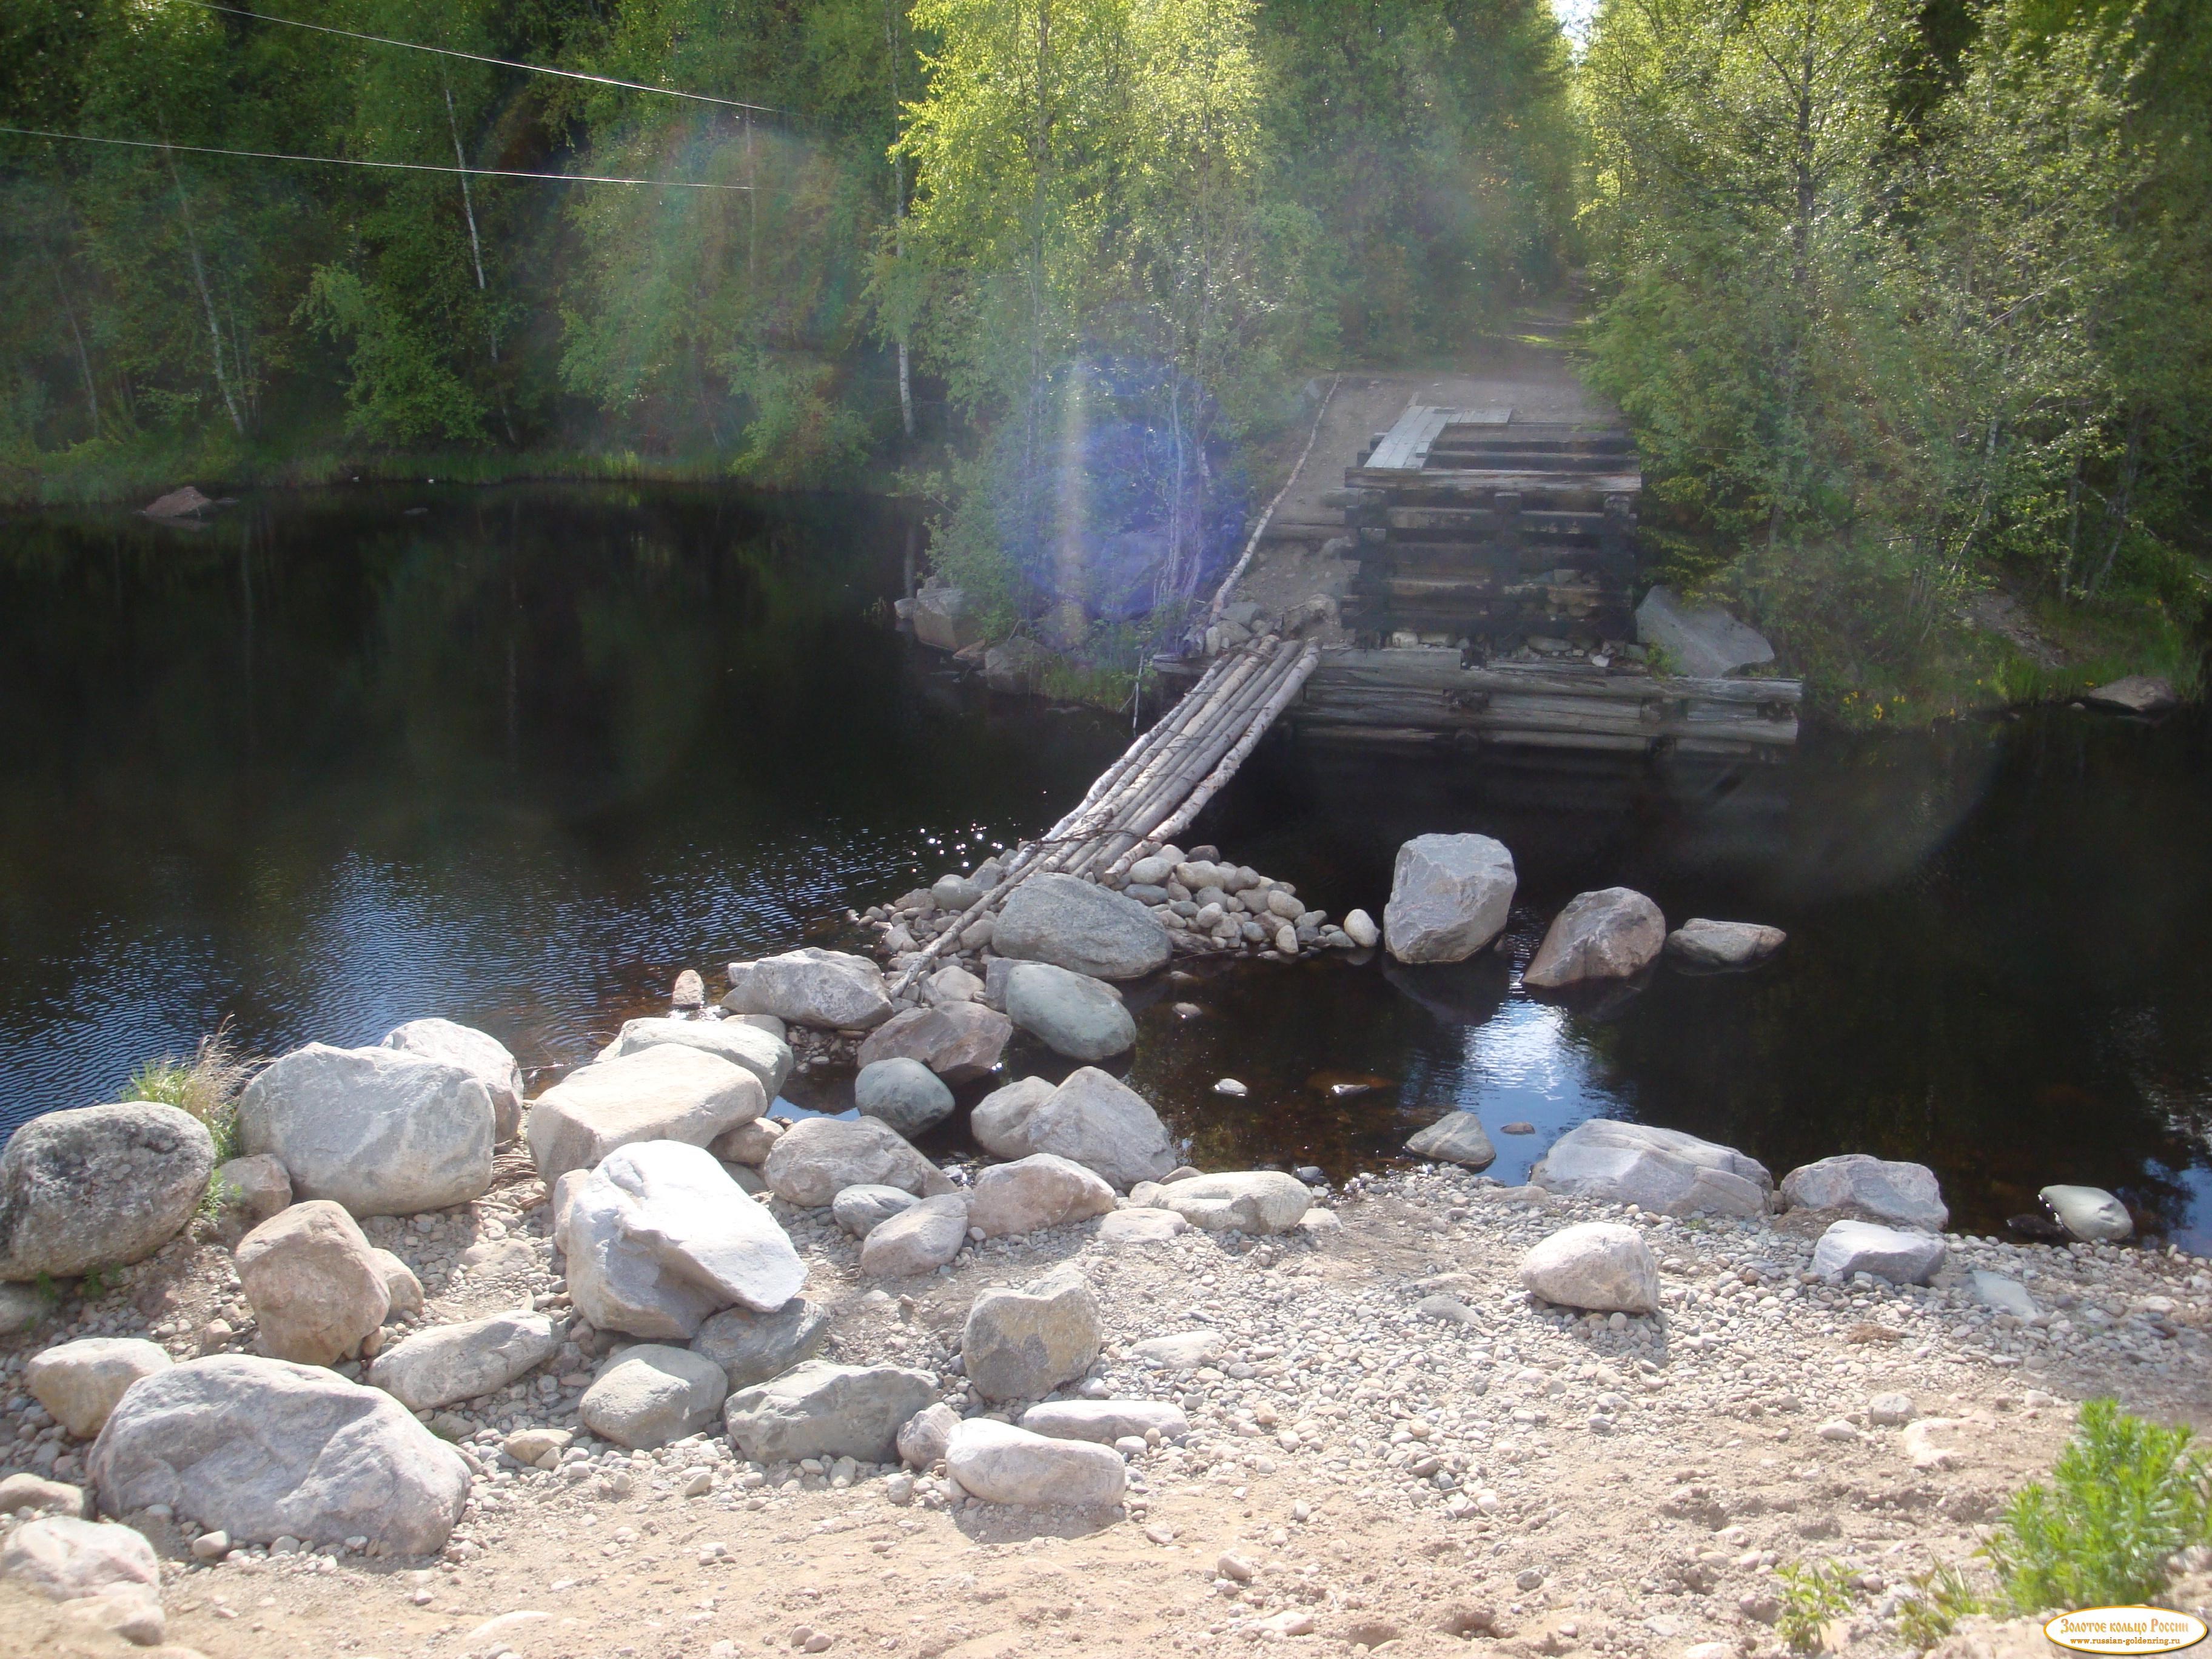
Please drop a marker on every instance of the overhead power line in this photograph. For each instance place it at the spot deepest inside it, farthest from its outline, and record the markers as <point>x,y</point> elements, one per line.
<point>478,57</point>
<point>349,162</point>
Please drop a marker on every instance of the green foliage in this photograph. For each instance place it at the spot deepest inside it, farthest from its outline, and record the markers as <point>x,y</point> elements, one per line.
<point>206,1086</point>
<point>1938,1599</point>
<point>1813,1594</point>
<point>2125,1495</point>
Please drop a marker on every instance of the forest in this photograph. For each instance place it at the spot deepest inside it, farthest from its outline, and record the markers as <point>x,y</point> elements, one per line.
<point>1905,299</point>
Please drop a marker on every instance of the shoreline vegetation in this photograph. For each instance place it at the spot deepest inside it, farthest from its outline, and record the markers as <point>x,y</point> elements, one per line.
<point>1917,372</point>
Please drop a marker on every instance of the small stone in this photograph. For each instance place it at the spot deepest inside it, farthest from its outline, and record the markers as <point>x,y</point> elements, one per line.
<point>80,1382</point>
<point>31,1494</point>
<point>211,1546</point>
<point>1229,1085</point>
<point>1890,1411</point>
<point>690,990</point>
<point>1360,928</point>
<point>860,1210</point>
<point>917,1240</point>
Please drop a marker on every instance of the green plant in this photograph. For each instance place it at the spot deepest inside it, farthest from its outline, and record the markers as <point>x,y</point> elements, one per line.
<point>97,1282</point>
<point>2124,1496</point>
<point>1941,1598</point>
<point>1812,1593</point>
<point>208,1086</point>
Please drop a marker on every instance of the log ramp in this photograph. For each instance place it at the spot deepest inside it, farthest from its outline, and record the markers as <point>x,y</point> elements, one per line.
<point>1162,782</point>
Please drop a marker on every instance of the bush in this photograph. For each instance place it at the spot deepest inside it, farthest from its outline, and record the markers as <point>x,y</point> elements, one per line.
<point>2124,1496</point>
<point>1812,1594</point>
<point>1941,1598</point>
<point>206,1086</point>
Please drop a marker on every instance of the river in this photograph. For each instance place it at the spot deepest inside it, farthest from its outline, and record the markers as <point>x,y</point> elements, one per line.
<point>515,756</point>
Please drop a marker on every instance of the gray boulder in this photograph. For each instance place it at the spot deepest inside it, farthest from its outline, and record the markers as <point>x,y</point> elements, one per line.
<point>954,893</point>
<point>817,1158</point>
<point>831,989</point>
<point>659,1237</point>
<point>1016,666</point>
<point>959,1042</point>
<point>382,1131</point>
<point>1245,1201</point>
<point>1071,1014</point>
<point>1083,927</point>
<point>903,1093</point>
<point>945,619</point>
<point>1862,1247</point>
<point>105,1571</point>
<point>919,1239</point>
<point>257,1186</point>
<point>665,1091</point>
<point>1661,1169</point>
<point>1901,1194</point>
<point>1139,1225</point>
<point>1002,1464</point>
<point>1455,1138</point>
<point>649,1395</point>
<point>1599,1266</point>
<point>820,1410</point>
<point>1041,1190</point>
<point>2138,693</point>
<point>752,1347</point>
<point>764,1053</point>
<point>1702,643</point>
<point>1022,1344</point>
<point>1449,897</point>
<point>1106,1421</point>
<point>80,1382</point>
<point>479,1054</point>
<point>860,1210</point>
<point>1613,933</point>
<point>1718,944</point>
<point>315,1287</point>
<point>2089,1213</point>
<point>99,1186</point>
<point>1092,1118</point>
<point>747,1144</point>
<point>261,1449</point>
<point>922,1440</point>
<point>449,1363</point>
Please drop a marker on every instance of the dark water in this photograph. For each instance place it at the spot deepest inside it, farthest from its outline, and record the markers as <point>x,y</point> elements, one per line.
<point>326,765</point>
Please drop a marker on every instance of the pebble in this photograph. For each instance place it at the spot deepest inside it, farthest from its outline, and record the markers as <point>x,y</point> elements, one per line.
<point>1229,1085</point>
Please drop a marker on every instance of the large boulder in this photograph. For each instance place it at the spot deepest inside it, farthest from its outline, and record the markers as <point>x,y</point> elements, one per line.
<point>99,1187</point>
<point>1081,926</point>
<point>958,1041</point>
<point>1022,1344</point>
<point>80,1382</point>
<point>919,1239</point>
<point>1661,1169</point>
<point>1449,897</point>
<point>449,1363</point>
<point>659,1237</point>
<point>1245,1201</point>
<point>752,1347</point>
<point>764,1054</point>
<point>2137,694</point>
<point>817,1158</point>
<point>479,1054</point>
<point>1041,1190</point>
<point>1891,1253</point>
<point>1455,1138</point>
<point>261,1449</point>
<point>833,989</point>
<point>1071,1014</point>
<point>1002,1464</point>
<point>903,1093</point>
<point>1106,1421</point>
<point>665,1092</point>
<point>1723,945</point>
<point>108,1571</point>
<point>1092,1118</point>
<point>1702,643</point>
<point>946,619</point>
<point>1901,1195</point>
<point>1600,1266</point>
<point>2089,1213</point>
<point>821,1410</point>
<point>314,1284</point>
<point>382,1131</point>
<point>1613,933</point>
<point>649,1395</point>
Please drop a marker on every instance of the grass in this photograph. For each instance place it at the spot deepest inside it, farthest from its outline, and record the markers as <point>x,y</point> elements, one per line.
<point>206,1086</point>
<point>1941,1598</point>
<point>2124,1497</point>
<point>1813,1594</point>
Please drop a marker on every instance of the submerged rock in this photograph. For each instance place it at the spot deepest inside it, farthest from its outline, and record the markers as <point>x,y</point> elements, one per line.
<point>1718,944</point>
<point>958,1041</point>
<point>903,1093</point>
<point>1455,1138</point>
<point>1449,897</point>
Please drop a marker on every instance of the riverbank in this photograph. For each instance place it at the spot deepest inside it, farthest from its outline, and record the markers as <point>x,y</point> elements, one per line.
<point>1388,1439</point>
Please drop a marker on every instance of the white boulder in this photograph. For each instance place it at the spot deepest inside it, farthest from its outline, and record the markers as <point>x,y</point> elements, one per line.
<point>479,1054</point>
<point>80,1382</point>
<point>1449,897</point>
<point>99,1186</point>
<point>1901,1194</point>
<point>1599,1266</point>
<point>1705,944</point>
<point>382,1131</point>
<point>261,1449</point>
<point>1042,1190</point>
<point>1002,1464</point>
<point>1245,1201</point>
<point>659,1237</point>
<point>817,1158</point>
<point>764,1053</point>
<point>2089,1213</point>
<point>833,989</point>
<point>1661,1169</point>
<point>919,1239</point>
<point>449,1363</point>
<point>665,1092</point>
<point>1862,1247</point>
<point>1613,933</point>
<point>1092,1118</point>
